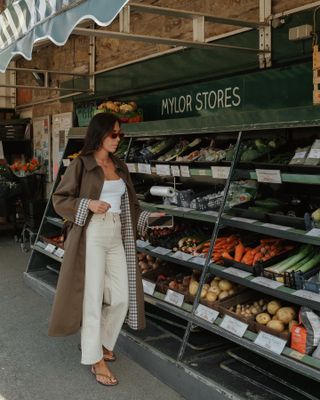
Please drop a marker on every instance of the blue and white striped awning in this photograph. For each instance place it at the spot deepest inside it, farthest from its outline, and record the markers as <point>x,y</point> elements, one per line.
<point>26,22</point>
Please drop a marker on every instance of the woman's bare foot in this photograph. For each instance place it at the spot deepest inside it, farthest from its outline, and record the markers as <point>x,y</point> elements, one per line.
<point>103,374</point>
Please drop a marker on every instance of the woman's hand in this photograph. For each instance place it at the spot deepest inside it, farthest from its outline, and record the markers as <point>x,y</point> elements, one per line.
<point>98,206</point>
<point>158,214</point>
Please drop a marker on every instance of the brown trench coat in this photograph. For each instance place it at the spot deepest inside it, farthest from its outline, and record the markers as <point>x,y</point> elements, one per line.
<point>84,179</point>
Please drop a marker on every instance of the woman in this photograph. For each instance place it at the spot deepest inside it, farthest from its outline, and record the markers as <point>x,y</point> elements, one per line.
<point>99,282</point>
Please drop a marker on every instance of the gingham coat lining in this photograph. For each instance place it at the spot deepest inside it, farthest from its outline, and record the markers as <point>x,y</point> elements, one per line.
<point>82,212</point>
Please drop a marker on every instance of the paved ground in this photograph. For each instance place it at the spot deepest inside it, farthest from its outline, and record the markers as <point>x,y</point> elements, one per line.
<point>36,367</point>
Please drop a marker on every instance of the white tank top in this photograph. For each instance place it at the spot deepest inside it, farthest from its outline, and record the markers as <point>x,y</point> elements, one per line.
<point>111,193</point>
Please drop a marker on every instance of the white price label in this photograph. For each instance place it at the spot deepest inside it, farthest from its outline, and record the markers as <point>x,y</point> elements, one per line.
<point>132,167</point>
<point>180,255</point>
<point>212,213</point>
<point>220,172</point>
<point>174,298</point>
<point>246,220</point>
<point>185,171</point>
<point>237,272</point>
<point>299,154</point>
<point>66,162</point>
<point>142,243</point>
<point>260,280</point>
<point>314,153</point>
<point>198,260</point>
<point>185,209</point>
<point>161,250</point>
<point>206,313</point>
<point>270,342</point>
<point>163,169</point>
<point>307,295</point>
<point>314,232</point>
<point>234,326</point>
<point>148,287</point>
<point>274,226</point>
<point>59,252</point>
<point>144,168</point>
<point>175,170</point>
<point>268,175</point>
<point>50,248</point>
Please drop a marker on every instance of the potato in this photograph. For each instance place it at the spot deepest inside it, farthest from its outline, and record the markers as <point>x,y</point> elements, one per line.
<point>193,287</point>
<point>203,293</point>
<point>276,325</point>
<point>231,292</point>
<point>214,289</point>
<point>206,286</point>
<point>223,295</point>
<point>273,306</point>
<point>211,296</point>
<point>254,310</point>
<point>225,285</point>
<point>214,283</point>
<point>291,323</point>
<point>149,258</point>
<point>263,318</point>
<point>286,314</point>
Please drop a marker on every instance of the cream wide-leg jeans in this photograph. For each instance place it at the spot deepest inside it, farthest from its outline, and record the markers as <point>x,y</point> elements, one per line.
<point>105,302</point>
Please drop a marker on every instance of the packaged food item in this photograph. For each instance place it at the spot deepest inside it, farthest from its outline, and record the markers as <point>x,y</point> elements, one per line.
<point>313,157</point>
<point>305,337</point>
<point>300,156</point>
<point>241,192</point>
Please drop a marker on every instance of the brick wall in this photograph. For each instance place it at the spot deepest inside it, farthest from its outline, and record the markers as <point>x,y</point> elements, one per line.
<point>110,52</point>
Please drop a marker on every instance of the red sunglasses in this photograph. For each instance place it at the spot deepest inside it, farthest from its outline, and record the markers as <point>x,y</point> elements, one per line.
<point>114,135</point>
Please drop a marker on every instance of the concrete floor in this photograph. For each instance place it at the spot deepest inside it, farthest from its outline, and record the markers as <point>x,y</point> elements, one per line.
<point>36,367</point>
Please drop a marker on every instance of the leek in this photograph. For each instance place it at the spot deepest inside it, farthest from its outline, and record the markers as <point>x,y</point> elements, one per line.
<point>291,261</point>
<point>301,263</point>
<point>311,264</point>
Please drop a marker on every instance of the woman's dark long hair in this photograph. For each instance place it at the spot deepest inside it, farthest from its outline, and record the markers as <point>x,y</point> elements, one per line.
<point>100,125</point>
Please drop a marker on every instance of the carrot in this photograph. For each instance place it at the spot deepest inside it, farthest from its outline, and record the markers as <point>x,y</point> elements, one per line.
<point>239,251</point>
<point>225,254</point>
<point>257,258</point>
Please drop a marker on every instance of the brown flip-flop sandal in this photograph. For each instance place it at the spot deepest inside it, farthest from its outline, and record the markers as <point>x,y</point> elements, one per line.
<point>109,356</point>
<point>110,380</point>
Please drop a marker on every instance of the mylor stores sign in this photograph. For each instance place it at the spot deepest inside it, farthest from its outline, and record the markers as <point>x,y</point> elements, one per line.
<point>277,88</point>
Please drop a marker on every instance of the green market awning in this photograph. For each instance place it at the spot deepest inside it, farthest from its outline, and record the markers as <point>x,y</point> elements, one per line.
<point>25,22</point>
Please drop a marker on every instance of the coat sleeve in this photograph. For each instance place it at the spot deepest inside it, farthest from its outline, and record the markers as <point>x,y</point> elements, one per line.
<point>66,200</point>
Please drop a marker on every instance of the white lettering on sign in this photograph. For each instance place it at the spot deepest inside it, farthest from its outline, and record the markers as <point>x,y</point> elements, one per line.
<point>207,100</point>
<point>270,342</point>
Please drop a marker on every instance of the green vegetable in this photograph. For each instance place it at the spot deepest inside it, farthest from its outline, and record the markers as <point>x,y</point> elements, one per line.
<point>301,263</point>
<point>291,261</point>
<point>310,264</point>
<point>259,144</point>
<point>250,155</point>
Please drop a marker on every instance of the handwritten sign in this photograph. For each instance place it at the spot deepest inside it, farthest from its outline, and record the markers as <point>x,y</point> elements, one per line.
<point>314,232</point>
<point>163,169</point>
<point>307,295</point>
<point>260,280</point>
<point>142,243</point>
<point>185,171</point>
<point>144,168</point>
<point>198,260</point>
<point>175,170</point>
<point>148,287</point>
<point>270,342</point>
<point>59,252</point>
<point>132,167</point>
<point>274,226</point>
<point>174,298</point>
<point>234,326</point>
<point>50,248</point>
<point>246,220</point>
<point>220,172</point>
<point>206,313</point>
<point>180,255</point>
<point>237,272</point>
<point>161,250</point>
<point>268,175</point>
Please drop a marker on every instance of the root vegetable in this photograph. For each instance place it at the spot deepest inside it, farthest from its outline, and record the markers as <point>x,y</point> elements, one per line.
<point>203,293</point>
<point>225,285</point>
<point>286,314</point>
<point>276,325</point>
<point>263,318</point>
<point>231,292</point>
<point>193,288</point>
<point>149,258</point>
<point>211,296</point>
<point>214,289</point>
<point>273,306</point>
<point>214,283</point>
<point>223,295</point>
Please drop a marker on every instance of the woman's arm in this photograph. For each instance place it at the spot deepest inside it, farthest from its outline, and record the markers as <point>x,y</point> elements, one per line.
<point>66,200</point>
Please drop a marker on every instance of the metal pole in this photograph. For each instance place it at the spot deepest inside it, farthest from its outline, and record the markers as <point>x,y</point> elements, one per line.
<point>213,240</point>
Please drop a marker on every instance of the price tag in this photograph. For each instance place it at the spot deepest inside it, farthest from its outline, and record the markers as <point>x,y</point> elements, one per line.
<point>314,232</point>
<point>50,248</point>
<point>198,260</point>
<point>299,154</point>
<point>314,153</point>
<point>237,272</point>
<point>66,162</point>
<point>59,252</point>
<point>220,172</point>
<point>175,170</point>
<point>180,255</point>
<point>268,175</point>
<point>206,313</point>
<point>142,243</point>
<point>260,280</point>
<point>213,213</point>
<point>174,298</point>
<point>307,295</point>
<point>279,227</point>
<point>185,171</point>
<point>234,326</point>
<point>163,169</point>
<point>246,220</point>
<point>270,342</point>
<point>295,354</point>
<point>161,250</point>
<point>148,287</point>
<point>132,167</point>
<point>185,209</point>
<point>144,168</point>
